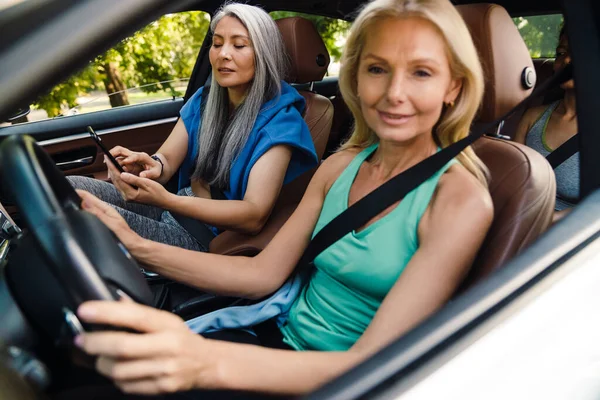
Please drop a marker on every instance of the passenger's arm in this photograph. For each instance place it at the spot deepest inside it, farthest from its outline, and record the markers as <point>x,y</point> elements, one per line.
<point>247,215</point>
<point>250,214</point>
<point>172,153</point>
<point>236,276</point>
<point>450,234</point>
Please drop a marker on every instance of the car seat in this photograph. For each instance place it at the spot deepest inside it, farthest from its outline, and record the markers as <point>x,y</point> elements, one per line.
<point>522,183</point>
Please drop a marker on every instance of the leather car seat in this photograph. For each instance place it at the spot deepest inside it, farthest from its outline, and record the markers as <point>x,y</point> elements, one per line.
<point>544,69</point>
<point>308,62</point>
<point>522,183</point>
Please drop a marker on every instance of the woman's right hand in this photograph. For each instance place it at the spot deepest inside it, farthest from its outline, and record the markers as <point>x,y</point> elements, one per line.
<point>137,163</point>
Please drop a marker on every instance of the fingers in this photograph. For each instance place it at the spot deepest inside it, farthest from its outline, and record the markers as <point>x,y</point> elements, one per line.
<point>109,217</point>
<point>106,216</point>
<point>111,167</point>
<point>88,197</point>
<point>135,162</point>
<point>133,180</point>
<point>119,151</point>
<point>128,315</point>
<point>127,191</point>
<point>133,369</point>
<point>151,173</point>
<point>91,202</point>
<point>127,346</point>
<point>140,162</point>
<point>138,158</point>
<point>149,386</point>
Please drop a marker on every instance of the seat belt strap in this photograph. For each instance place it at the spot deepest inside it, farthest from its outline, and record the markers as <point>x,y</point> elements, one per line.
<point>564,151</point>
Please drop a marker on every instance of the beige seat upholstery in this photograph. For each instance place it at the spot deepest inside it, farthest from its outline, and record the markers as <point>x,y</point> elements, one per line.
<point>522,183</point>
<point>309,60</point>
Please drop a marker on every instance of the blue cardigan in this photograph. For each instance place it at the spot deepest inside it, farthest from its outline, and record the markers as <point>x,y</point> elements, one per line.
<point>278,122</point>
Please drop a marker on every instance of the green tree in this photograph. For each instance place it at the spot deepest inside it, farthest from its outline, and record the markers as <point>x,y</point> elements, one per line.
<point>333,31</point>
<point>163,51</point>
<point>64,95</point>
<point>540,33</point>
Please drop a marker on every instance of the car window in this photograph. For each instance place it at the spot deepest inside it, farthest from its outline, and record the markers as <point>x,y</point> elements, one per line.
<point>153,64</point>
<point>333,31</point>
<point>540,33</point>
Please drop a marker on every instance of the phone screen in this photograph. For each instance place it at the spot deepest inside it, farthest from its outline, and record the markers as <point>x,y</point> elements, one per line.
<point>98,141</point>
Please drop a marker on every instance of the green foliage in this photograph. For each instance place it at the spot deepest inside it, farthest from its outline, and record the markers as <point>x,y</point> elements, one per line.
<point>540,33</point>
<point>162,51</point>
<point>64,94</point>
<point>333,31</point>
<point>166,50</point>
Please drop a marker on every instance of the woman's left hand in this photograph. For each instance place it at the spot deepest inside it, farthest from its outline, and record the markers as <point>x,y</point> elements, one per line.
<point>164,357</point>
<point>137,189</point>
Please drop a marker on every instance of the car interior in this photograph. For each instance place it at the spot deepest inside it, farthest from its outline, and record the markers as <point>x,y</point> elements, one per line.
<point>521,181</point>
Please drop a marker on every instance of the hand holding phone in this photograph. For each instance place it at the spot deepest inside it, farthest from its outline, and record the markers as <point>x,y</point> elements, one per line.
<point>98,141</point>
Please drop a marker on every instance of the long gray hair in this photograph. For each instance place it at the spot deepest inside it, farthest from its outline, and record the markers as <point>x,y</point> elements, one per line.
<point>221,137</point>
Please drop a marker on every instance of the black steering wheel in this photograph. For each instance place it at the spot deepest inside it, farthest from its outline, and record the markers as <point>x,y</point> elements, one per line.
<point>66,256</point>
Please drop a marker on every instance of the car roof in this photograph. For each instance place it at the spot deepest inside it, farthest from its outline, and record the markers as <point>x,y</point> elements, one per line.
<point>346,8</point>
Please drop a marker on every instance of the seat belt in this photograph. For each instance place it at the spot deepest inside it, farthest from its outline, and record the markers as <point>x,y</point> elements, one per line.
<point>399,186</point>
<point>564,151</point>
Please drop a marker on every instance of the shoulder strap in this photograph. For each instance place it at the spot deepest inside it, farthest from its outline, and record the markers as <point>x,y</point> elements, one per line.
<point>564,151</point>
<point>399,186</point>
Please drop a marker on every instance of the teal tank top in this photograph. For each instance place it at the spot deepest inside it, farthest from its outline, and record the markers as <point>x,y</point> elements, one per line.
<point>352,277</point>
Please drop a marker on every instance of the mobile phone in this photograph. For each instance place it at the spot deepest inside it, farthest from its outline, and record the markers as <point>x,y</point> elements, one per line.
<point>98,141</point>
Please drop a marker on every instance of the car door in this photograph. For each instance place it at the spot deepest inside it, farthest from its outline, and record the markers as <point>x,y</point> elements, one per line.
<point>147,75</point>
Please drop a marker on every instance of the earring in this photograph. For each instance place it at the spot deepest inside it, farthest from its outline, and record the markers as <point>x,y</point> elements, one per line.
<point>450,104</point>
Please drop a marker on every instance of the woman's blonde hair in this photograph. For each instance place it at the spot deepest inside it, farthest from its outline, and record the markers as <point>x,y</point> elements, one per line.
<point>455,121</point>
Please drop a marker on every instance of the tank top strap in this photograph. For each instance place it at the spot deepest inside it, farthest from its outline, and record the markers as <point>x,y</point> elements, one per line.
<point>354,166</point>
<point>545,116</point>
<point>346,178</point>
<point>536,137</point>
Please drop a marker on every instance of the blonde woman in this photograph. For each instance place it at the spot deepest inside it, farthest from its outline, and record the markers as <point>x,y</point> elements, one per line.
<point>371,286</point>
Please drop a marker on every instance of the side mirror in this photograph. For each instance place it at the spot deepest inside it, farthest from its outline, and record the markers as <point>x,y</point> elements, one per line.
<point>19,115</point>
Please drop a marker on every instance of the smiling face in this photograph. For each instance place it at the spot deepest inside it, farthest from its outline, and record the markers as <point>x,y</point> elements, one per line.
<point>232,55</point>
<point>404,78</point>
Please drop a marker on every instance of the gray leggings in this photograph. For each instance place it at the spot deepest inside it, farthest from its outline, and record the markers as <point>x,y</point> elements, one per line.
<point>147,221</point>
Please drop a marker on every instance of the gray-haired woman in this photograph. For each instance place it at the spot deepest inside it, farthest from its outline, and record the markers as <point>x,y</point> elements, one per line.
<point>246,139</point>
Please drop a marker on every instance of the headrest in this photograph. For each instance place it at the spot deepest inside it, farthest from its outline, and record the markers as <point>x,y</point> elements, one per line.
<point>308,55</point>
<point>507,66</point>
